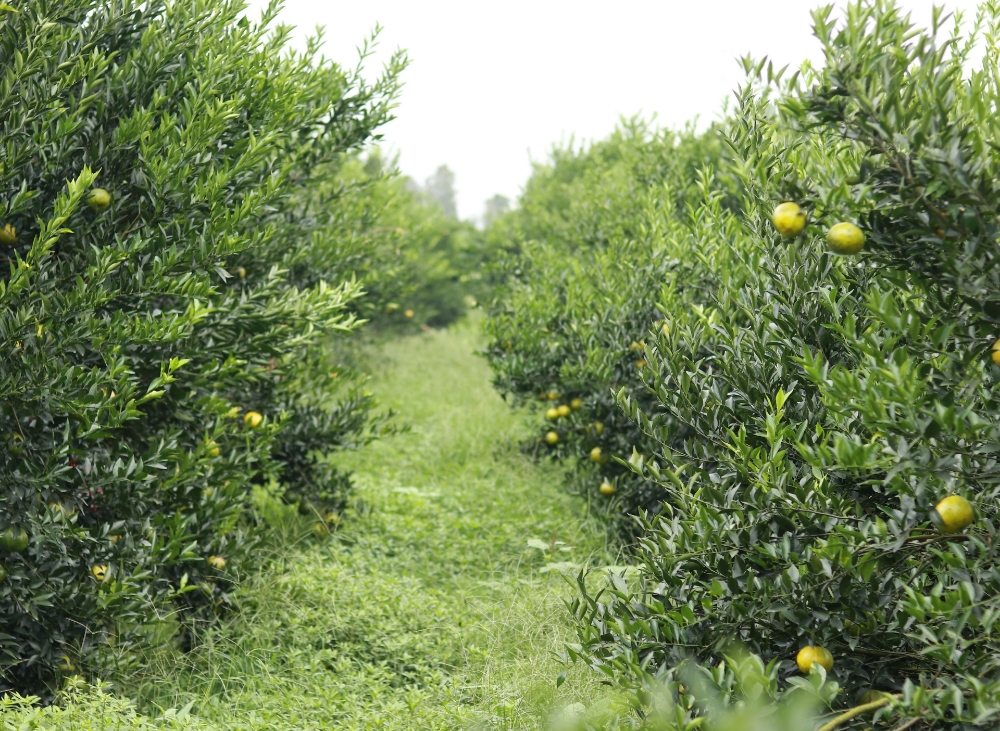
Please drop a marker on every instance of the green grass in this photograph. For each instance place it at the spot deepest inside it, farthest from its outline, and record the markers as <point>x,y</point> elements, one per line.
<point>428,609</point>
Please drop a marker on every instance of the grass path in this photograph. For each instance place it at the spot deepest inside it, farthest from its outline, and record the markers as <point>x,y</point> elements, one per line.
<point>428,609</point>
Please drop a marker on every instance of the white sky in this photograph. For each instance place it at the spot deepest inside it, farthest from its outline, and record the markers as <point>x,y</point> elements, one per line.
<point>492,86</point>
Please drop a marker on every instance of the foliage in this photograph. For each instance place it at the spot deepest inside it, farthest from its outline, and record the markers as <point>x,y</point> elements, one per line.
<point>425,264</point>
<point>138,334</point>
<point>425,609</point>
<point>808,430</point>
<point>601,238</point>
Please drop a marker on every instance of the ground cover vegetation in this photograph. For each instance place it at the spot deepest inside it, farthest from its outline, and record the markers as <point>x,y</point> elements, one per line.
<point>174,220</point>
<point>815,417</point>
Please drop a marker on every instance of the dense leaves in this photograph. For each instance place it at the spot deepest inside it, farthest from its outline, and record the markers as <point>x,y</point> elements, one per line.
<point>137,335</point>
<point>601,238</point>
<point>812,410</point>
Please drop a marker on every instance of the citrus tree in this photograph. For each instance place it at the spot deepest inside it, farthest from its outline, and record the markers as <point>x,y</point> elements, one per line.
<point>421,266</point>
<point>831,503</point>
<point>602,246</point>
<point>158,309</point>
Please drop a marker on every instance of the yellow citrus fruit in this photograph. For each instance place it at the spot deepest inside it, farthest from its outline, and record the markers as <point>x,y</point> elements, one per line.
<point>596,454</point>
<point>845,239</point>
<point>8,235</point>
<point>995,352</point>
<point>810,654</point>
<point>665,329</point>
<point>641,363</point>
<point>241,272</point>
<point>331,517</point>
<point>955,513</point>
<point>552,414</point>
<point>563,410</point>
<point>553,395</point>
<point>217,562</point>
<point>598,428</point>
<point>636,347</point>
<point>321,530</point>
<point>576,403</point>
<point>607,488</point>
<point>408,313</point>
<point>211,448</point>
<point>789,219</point>
<point>551,437</point>
<point>99,572</point>
<point>252,419</point>
<point>98,199</point>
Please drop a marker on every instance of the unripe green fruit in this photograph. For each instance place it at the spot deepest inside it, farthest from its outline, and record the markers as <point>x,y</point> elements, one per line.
<point>14,540</point>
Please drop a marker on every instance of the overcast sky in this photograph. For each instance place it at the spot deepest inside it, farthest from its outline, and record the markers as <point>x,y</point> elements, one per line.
<point>492,86</point>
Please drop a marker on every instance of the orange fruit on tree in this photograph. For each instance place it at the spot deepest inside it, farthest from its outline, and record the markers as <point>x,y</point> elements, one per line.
<point>955,513</point>
<point>8,235</point>
<point>995,352</point>
<point>845,239</point>
<point>252,419</point>
<point>607,489</point>
<point>552,414</point>
<point>551,438</point>
<point>98,199</point>
<point>563,410</point>
<point>789,219</point>
<point>576,403</point>
<point>217,562</point>
<point>813,654</point>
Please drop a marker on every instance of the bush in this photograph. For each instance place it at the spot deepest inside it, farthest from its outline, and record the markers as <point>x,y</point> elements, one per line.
<point>139,333</point>
<point>807,433</point>
<point>604,244</point>
<point>422,265</point>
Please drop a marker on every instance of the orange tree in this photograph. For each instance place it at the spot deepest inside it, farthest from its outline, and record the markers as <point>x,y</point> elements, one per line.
<point>603,245</point>
<point>157,313</point>
<point>835,483</point>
